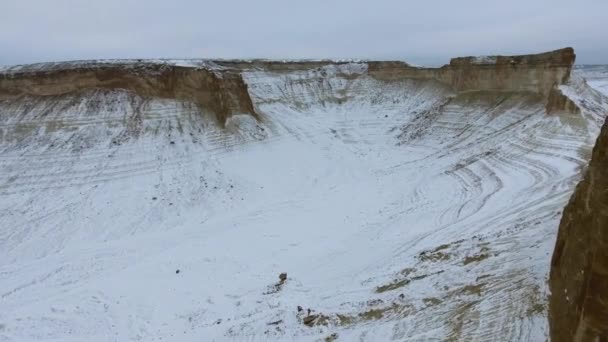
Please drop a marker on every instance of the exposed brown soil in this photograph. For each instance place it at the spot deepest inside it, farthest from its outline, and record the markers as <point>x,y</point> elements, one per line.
<point>392,286</point>
<point>475,258</point>
<point>394,309</point>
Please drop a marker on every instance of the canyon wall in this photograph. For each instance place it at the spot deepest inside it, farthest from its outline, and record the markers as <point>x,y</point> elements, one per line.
<point>223,92</point>
<point>217,86</point>
<point>539,73</point>
<point>578,309</point>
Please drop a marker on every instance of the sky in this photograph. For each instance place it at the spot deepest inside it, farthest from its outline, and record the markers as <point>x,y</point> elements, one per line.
<point>425,32</point>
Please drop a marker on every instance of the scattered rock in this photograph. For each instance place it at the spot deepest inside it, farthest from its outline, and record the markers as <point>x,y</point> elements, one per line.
<point>154,198</point>
<point>472,289</point>
<point>275,322</point>
<point>483,276</point>
<point>177,271</point>
<point>374,302</point>
<point>433,256</point>
<point>431,301</point>
<point>331,337</point>
<point>300,308</point>
<point>392,286</point>
<point>406,271</point>
<point>474,258</point>
<point>373,314</point>
<point>309,320</point>
<point>278,286</point>
<point>344,320</point>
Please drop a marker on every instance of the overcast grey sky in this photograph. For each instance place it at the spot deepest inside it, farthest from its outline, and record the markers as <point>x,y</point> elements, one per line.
<point>421,31</point>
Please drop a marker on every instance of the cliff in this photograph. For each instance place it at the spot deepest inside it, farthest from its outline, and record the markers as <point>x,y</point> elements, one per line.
<point>540,73</point>
<point>221,91</point>
<point>217,85</point>
<point>579,270</point>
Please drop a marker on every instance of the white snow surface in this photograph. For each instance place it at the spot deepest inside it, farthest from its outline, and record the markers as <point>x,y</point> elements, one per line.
<point>596,76</point>
<point>347,184</point>
<point>210,64</point>
<point>485,60</point>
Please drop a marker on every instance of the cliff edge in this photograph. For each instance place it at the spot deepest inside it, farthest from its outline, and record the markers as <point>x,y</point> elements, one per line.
<point>217,86</point>
<point>578,307</point>
<point>217,90</point>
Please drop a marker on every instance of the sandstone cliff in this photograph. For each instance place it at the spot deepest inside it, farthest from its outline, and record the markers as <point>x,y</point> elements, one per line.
<point>536,73</point>
<point>218,87</point>
<point>223,92</point>
<point>579,269</point>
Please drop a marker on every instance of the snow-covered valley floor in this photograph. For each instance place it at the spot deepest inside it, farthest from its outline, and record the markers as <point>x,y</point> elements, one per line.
<point>398,211</point>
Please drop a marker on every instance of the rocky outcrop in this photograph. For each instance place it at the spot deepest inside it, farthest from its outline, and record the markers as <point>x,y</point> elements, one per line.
<point>558,102</point>
<point>578,309</point>
<point>538,73</point>
<point>220,91</point>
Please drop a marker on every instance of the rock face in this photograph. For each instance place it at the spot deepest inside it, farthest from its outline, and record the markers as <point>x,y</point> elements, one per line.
<point>222,92</point>
<point>579,270</point>
<point>218,86</point>
<point>538,73</point>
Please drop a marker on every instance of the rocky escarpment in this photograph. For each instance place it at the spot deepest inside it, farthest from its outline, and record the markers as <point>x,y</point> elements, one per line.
<point>535,73</point>
<point>220,91</point>
<point>218,87</point>
<point>539,73</point>
<point>579,269</point>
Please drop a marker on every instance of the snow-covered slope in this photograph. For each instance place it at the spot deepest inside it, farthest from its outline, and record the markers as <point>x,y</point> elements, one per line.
<point>596,76</point>
<point>399,209</point>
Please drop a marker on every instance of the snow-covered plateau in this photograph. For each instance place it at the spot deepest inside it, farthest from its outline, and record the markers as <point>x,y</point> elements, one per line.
<point>399,208</point>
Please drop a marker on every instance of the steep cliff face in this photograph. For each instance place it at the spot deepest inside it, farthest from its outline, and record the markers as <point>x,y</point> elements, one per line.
<point>220,91</point>
<point>218,86</point>
<point>579,269</point>
<point>538,73</point>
